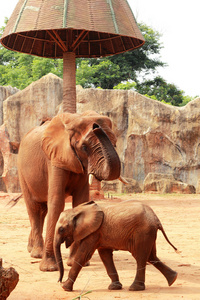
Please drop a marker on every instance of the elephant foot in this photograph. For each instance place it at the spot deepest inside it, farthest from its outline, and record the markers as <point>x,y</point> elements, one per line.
<point>36,252</point>
<point>35,247</point>
<point>48,264</point>
<point>115,286</point>
<point>67,285</point>
<point>29,248</point>
<point>172,278</point>
<point>137,286</point>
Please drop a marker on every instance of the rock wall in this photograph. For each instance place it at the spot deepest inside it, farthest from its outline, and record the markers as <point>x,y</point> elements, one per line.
<point>5,92</point>
<point>21,112</point>
<point>152,137</point>
<point>31,106</point>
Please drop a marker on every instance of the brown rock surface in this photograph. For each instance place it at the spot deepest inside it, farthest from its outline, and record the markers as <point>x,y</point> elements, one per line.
<point>8,169</point>
<point>5,92</point>
<point>161,183</point>
<point>117,186</point>
<point>23,111</point>
<point>8,281</point>
<point>31,106</point>
<point>152,137</point>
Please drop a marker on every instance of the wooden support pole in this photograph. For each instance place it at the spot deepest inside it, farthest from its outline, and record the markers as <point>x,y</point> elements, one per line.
<point>69,82</point>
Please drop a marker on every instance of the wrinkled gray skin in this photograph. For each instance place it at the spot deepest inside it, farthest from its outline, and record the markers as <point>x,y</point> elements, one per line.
<point>129,226</point>
<point>54,161</point>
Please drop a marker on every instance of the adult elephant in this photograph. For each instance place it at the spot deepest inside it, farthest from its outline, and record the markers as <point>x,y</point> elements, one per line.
<point>54,161</point>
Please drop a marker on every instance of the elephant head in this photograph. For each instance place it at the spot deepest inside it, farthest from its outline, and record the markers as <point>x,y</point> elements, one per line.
<point>74,225</point>
<point>82,143</point>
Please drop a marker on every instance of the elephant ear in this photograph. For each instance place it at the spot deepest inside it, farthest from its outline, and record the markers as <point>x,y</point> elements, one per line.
<point>88,219</point>
<point>56,145</point>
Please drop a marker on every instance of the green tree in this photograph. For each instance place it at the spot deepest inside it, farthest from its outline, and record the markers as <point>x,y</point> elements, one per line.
<point>19,70</point>
<point>105,74</point>
<point>110,71</point>
<point>161,90</point>
<point>125,86</point>
<point>187,99</point>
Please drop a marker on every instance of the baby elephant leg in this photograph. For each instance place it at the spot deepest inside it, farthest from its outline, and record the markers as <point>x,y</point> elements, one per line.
<point>73,249</point>
<point>139,281</point>
<point>106,256</point>
<point>169,274</point>
<point>142,250</point>
<point>83,254</point>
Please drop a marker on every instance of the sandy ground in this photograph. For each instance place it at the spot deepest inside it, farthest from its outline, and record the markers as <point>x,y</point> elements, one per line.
<point>180,216</point>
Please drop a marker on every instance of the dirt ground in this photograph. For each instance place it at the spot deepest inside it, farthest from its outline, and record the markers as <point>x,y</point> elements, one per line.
<point>180,216</point>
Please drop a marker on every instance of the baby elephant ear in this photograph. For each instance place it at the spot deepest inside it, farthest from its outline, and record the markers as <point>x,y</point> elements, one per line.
<point>56,145</point>
<point>88,218</point>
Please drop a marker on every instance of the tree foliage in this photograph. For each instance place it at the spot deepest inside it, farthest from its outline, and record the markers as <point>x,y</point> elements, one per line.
<point>19,70</point>
<point>110,71</point>
<point>161,90</point>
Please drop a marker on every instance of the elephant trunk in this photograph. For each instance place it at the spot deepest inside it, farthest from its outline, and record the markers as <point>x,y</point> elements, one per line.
<point>111,165</point>
<point>59,260</point>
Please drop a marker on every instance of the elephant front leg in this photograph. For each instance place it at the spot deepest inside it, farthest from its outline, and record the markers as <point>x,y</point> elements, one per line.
<point>107,258</point>
<point>48,262</point>
<point>83,254</point>
<point>56,203</point>
<point>73,250</point>
<point>80,195</point>
<point>73,273</point>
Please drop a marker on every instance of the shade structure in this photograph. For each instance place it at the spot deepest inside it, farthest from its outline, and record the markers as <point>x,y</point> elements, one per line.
<point>72,28</point>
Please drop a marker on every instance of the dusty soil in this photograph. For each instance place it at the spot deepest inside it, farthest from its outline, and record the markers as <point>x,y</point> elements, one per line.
<point>180,216</point>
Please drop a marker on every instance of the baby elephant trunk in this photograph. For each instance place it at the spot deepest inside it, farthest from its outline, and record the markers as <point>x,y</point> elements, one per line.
<point>57,252</point>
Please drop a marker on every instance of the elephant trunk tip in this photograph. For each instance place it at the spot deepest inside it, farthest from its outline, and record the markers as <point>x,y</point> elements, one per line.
<point>58,256</point>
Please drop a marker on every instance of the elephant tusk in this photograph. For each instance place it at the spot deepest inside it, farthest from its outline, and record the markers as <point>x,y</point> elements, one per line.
<point>90,178</point>
<point>123,180</point>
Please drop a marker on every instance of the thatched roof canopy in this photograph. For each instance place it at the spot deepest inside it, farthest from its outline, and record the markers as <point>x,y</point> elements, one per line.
<point>48,28</point>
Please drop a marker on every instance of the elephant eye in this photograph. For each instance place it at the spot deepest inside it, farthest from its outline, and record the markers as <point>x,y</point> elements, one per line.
<point>61,230</point>
<point>85,148</point>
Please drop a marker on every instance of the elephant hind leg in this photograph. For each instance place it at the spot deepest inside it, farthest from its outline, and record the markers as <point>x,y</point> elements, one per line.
<point>139,281</point>
<point>143,244</point>
<point>169,274</point>
<point>37,212</point>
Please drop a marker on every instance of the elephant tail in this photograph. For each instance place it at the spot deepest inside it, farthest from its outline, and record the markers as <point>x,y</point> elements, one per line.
<point>160,227</point>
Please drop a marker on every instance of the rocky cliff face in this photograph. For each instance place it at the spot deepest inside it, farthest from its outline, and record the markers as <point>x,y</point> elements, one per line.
<point>5,92</point>
<point>21,112</point>
<point>31,106</point>
<point>152,137</point>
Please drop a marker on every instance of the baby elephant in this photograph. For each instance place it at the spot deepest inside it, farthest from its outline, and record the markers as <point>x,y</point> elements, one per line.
<point>127,225</point>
